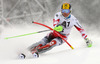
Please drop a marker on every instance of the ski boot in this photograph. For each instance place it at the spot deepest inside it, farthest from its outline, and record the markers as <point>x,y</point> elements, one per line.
<point>35,51</point>
<point>35,54</point>
<point>22,56</point>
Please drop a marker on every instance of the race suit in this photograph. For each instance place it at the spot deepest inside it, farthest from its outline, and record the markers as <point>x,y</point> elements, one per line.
<point>51,40</point>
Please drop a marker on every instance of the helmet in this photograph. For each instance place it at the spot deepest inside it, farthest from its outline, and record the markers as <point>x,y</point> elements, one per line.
<point>66,10</point>
<point>66,6</point>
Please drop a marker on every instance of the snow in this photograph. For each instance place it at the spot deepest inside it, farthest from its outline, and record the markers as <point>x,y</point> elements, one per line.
<point>10,48</point>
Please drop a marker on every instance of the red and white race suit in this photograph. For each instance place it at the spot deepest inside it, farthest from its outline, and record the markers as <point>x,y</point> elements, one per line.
<point>68,23</point>
<point>52,39</point>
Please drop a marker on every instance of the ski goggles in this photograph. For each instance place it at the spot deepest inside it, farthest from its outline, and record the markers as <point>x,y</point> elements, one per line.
<point>65,10</point>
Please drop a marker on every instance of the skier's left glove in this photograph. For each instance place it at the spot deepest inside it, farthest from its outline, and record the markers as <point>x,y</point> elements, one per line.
<point>58,28</point>
<point>88,42</point>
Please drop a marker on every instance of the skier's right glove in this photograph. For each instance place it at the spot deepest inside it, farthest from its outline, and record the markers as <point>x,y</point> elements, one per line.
<point>88,42</point>
<point>58,28</point>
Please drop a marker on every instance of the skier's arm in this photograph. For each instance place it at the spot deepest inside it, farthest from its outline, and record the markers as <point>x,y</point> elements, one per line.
<point>56,20</point>
<point>57,26</point>
<point>83,33</point>
<point>80,29</point>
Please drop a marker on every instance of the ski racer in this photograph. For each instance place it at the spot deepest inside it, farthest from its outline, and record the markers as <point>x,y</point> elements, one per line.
<point>62,22</point>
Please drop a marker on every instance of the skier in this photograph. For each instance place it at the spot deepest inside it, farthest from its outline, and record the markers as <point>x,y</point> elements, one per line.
<point>62,22</point>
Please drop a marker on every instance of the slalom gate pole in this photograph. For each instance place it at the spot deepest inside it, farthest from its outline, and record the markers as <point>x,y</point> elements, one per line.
<point>54,31</point>
<point>26,34</point>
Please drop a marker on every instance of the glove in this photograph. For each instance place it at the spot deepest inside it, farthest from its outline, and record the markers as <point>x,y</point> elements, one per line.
<point>58,28</point>
<point>88,42</point>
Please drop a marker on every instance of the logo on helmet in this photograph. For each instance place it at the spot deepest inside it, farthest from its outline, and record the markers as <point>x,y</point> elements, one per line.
<point>65,6</point>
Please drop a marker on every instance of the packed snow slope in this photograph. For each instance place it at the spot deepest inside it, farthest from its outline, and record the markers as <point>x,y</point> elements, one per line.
<point>10,48</point>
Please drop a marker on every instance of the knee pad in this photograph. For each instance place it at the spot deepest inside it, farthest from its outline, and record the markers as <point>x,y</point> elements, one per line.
<point>59,41</point>
<point>53,42</point>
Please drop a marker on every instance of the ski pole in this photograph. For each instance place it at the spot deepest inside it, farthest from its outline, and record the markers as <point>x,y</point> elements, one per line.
<point>26,34</point>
